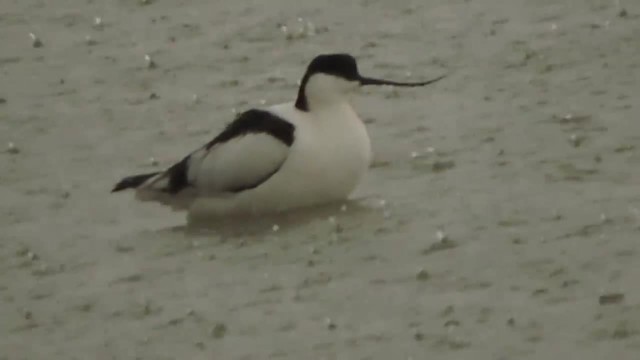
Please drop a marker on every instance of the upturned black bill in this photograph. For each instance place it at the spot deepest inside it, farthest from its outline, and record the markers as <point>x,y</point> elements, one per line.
<point>372,81</point>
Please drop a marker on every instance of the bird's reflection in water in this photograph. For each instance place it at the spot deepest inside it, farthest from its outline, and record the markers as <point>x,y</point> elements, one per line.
<point>350,211</point>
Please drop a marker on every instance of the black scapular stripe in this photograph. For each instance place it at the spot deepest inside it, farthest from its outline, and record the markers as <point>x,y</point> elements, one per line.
<point>256,121</point>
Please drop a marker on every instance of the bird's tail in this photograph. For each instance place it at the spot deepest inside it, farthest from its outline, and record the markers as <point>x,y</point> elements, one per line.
<point>153,187</point>
<point>133,182</point>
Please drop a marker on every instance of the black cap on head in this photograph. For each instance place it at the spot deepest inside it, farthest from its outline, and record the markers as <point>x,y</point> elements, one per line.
<point>340,65</point>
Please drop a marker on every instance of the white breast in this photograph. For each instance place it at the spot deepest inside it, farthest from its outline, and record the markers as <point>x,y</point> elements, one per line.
<point>338,147</point>
<point>329,157</point>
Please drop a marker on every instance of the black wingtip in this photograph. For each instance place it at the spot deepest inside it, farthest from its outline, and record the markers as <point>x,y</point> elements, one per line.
<point>119,186</point>
<point>132,181</point>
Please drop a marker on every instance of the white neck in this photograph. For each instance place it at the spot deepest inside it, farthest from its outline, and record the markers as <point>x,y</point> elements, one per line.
<point>323,90</point>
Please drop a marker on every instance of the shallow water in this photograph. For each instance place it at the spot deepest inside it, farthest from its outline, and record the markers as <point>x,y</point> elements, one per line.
<point>510,188</point>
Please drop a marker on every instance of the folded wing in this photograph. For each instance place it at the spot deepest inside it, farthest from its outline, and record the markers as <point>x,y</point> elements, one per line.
<point>245,154</point>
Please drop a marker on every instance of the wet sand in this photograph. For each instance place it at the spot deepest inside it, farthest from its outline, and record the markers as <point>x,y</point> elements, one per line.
<point>510,225</point>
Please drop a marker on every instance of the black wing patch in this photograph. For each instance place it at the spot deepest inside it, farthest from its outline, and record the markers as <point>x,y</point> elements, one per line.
<point>256,121</point>
<point>178,179</point>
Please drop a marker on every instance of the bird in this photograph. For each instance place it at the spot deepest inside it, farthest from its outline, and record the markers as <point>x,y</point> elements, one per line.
<point>310,151</point>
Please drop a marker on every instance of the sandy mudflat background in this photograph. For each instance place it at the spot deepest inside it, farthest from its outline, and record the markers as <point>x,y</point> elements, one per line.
<point>534,182</point>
